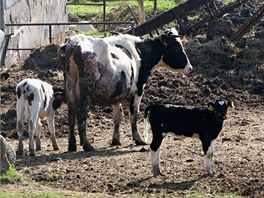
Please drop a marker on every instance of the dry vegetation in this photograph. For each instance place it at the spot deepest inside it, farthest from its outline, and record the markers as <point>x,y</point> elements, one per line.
<point>221,70</point>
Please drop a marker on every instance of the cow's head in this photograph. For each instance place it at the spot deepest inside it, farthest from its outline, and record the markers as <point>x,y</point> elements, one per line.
<point>174,56</point>
<point>219,108</point>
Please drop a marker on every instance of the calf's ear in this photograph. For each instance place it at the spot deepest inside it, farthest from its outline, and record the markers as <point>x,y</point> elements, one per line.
<point>210,106</point>
<point>230,104</point>
<point>164,39</point>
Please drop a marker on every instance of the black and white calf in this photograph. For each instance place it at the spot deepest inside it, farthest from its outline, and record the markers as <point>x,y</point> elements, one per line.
<point>108,71</point>
<point>204,123</point>
<point>36,100</point>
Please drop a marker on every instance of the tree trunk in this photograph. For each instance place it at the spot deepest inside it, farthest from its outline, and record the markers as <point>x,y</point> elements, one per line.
<point>141,12</point>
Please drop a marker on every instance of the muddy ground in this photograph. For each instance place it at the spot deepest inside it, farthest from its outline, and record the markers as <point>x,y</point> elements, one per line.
<point>221,70</point>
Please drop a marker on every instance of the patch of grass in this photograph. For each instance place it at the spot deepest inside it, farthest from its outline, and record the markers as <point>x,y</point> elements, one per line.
<point>82,10</point>
<point>10,176</point>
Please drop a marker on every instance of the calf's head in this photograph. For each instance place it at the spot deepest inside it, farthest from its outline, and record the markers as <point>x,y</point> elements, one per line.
<point>219,108</point>
<point>174,56</point>
<point>59,98</point>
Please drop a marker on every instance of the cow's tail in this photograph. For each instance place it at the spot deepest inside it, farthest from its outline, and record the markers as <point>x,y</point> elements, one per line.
<point>146,123</point>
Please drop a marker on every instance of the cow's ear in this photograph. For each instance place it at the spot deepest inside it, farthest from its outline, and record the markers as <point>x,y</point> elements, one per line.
<point>210,106</point>
<point>230,104</point>
<point>164,39</point>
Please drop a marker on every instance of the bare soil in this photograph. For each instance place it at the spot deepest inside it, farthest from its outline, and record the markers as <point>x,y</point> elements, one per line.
<point>220,71</point>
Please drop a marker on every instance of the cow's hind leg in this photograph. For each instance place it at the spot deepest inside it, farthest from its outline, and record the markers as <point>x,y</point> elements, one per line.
<point>117,117</point>
<point>82,119</point>
<point>134,108</point>
<point>71,119</point>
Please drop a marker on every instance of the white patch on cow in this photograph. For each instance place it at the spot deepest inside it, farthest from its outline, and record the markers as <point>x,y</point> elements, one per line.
<point>155,159</point>
<point>209,159</point>
<point>221,102</point>
<point>174,31</point>
<point>161,63</point>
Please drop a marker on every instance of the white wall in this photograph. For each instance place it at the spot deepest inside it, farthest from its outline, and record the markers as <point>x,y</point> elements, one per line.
<point>31,11</point>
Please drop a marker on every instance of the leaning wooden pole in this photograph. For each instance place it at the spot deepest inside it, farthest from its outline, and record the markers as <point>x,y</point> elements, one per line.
<point>248,25</point>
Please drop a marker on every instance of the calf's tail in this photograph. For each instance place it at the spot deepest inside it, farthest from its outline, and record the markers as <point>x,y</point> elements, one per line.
<point>146,124</point>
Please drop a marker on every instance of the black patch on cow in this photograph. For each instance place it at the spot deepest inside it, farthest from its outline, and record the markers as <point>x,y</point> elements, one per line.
<point>114,56</point>
<point>132,107</point>
<point>18,93</point>
<point>119,85</point>
<point>24,84</point>
<point>126,51</point>
<point>132,76</point>
<point>45,98</point>
<point>150,52</point>
<point>45,102</point>
<point>173,54</point>
<point>30,98</point>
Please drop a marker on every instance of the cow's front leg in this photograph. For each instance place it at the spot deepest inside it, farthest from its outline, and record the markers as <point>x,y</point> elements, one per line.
<point>134,109</point>
<point>82,119</point>
<point>117,117</point>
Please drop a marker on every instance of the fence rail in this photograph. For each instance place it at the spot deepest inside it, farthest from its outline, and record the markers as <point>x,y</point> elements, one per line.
<point>131,23</point>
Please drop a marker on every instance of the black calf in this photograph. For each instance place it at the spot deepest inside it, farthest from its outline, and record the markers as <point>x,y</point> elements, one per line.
<point>204,123</point>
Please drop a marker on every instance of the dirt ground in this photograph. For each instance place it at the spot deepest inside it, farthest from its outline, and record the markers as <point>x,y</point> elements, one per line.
<point>221,70</point>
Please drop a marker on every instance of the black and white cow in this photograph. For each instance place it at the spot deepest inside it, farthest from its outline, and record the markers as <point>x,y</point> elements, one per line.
<point>36,100</point>
<point>204,123</point>
<point>107,71</point>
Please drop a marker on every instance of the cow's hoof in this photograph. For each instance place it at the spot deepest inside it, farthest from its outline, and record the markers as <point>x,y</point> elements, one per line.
<point>140,142</point>
<point>115,142</point>
<point>38,148</point>
<point>20,153</point>
<point>88,147</point>
<point>72,148</point>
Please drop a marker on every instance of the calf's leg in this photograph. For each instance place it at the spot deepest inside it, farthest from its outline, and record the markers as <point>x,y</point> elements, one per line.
<point>117,116</point>
<point>38,133</point>
<point>134,109</point>
<point>51,126</point>
<point>155,149</point>
<point>208,149</point>
<point>31,131</point>
<point>20,125</point>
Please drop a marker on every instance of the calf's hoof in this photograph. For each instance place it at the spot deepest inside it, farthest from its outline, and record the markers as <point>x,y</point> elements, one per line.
<point>140,142</point>
<point>115,142</point>
<point>56,148</point>
<point>156,171</point>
